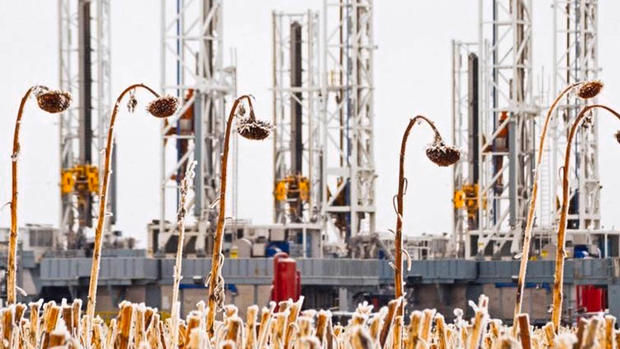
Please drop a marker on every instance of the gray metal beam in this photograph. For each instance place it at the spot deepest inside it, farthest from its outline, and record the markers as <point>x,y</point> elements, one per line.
<point>328,272</point>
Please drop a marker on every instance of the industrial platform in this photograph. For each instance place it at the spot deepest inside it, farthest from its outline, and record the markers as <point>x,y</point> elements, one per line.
<point>449,283</point>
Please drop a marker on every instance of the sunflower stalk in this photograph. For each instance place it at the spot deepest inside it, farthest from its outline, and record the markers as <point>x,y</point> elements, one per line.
<point>51,102</point>
<point>252,129</point>
<point>186,185</point>
<point>587,90</point>
<point>441,155</point>
<point>103,194</point>
<point>558,282</point>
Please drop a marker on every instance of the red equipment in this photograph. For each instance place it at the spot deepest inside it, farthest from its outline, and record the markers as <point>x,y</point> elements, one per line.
<point>286,278</point>
<point>590,298</point>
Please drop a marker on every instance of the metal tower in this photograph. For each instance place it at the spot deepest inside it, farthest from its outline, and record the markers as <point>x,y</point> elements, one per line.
<point>465,137</point>
<point>84,65</point>
<point>193,70</point>
<point>297,138</point>
<point>576,59</point>
<point>506,126</point>
<point>348,115</point>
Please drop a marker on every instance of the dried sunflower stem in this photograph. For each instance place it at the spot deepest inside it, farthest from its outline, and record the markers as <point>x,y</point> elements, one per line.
<point>527,234</point>
<point>478,328</point>
<point>581,328</point>
<point>292,318</point>
<point>7,324</point>
<point>397,332</point>
<point>387,321</point>
<point>138,327</point>
<point>374,327</point>
<point>35,308</point>
<point>591,333</point>
<point>414,330</point>
<point>185,187</point>
<point>12,257</point>
<point>219,232</point>
<point>124,324</point>
<point>251,327</point>
<point>549,333</point>
<point>97,336</point>
<point>558,282</point>
<point>610,323</point>
<point>94,271</point>
<point>398,239</point>
<point>441,330</point>
<point>264,325</point>
<point>321,326</point>
<point>50,318</point>
<point>427,322</point>
<point>525,335</point>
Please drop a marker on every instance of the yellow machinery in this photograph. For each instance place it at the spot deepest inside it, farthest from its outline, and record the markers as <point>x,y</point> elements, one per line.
<point>81,178</point>
<point>467,198</point>
<point>292,187</point>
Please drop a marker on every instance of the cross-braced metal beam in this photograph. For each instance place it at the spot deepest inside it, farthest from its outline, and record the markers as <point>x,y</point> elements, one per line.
<point>194,71</point>
<point>84,66</point>
<point>576,59</point>
<point>507,121</point>
<point>465,137</point>
<point>297,134</point>
<point>348,116</point>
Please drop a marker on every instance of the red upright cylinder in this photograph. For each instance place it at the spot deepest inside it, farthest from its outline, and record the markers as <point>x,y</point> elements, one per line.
<point>286,280</point>
<point>590,298</point>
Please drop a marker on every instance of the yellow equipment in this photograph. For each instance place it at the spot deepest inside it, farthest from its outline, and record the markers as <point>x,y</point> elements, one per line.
<point>292,186</point>
<point>304,189</point>
<point>467,198</point>
<point>80,178</point>
<point>67,181</point>
<point>280,191</point>
<point>459,199</point>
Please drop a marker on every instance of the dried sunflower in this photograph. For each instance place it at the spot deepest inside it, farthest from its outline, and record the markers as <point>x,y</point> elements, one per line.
<point>252,128</point>
<point>53,101</point>
<point>163,107</point>
<point>441,154</point>
<point>590,89</point>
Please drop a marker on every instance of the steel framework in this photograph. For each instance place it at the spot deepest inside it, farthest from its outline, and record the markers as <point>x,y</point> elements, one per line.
<point>575,58</point>
<point>193,70</point>
<point>348,114</point>
<point>507,125</point>
<point>298,151</point>
<point>84,66</point>
<point>464,137</point>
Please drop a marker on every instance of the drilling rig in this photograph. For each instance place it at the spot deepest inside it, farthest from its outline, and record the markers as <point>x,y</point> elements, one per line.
<point>298,151</point>
<point>494,122</point>
<point>465,131</point>
<point>348,179</point>
<point>323,116</point>
<point>193,70</point>
<point>575,57</point>
<point>84,65</point>
<point>493,103</point>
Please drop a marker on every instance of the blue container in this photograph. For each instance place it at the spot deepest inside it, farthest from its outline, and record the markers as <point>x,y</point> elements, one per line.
<point>277,246</point>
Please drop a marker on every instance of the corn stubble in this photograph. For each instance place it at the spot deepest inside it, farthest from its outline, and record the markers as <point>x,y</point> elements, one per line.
<point>137,326</point>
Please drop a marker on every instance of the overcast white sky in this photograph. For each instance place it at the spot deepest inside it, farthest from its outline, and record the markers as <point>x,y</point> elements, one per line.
<point>412,66</point>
